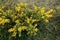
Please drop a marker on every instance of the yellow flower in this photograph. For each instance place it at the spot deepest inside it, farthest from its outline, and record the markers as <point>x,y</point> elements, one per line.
<point>35,7</point>
<point>28,20</point>
<point>15,17</point>
<point>2,22</point>
<point>25,4</point>
<point>7,20</point>
<point>1,19</point>
<point>43,17</point>
<point>1,10</point>
<point>35,29</point>
<point>49,16</point>
<point>22,28</point>
<point>14,34</point>
<point>23,14</point>
<point>17,8</point>
<point>50,11</point>
<point>46,20</point>
<point>17,21</point>
<point>11,29</point>
<point>33,20</point>
<point>21,4</point>
<point>19,29</point>
<point>35,25</point>
<point>42,9</point>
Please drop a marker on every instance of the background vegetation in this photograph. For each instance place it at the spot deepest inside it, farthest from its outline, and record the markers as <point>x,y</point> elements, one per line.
<point>29,19</point>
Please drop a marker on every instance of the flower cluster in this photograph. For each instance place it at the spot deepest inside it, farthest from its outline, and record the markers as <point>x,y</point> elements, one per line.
<point>24,18</point>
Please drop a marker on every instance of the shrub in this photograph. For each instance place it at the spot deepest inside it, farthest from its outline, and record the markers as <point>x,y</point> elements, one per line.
<point>22,19</point>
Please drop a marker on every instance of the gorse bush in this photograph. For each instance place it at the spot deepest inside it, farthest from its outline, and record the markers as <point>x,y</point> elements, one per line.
<point>22,19</point>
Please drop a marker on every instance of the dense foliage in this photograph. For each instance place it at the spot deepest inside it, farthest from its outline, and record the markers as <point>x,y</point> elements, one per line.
<point>22,22</point>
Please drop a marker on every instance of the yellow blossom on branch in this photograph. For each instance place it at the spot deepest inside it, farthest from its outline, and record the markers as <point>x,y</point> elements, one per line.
<point>7,20</point>
<point>11,30</point>
<point>27,20</point>
<point>42,10</point>
<point>35,29</point>
<point>17,21</point>
<point>49,16</point>
<point>18,8</point>
<point>19,29</point>
<point>46,20</point>
<point>43,17</point>
<point>33,20</point>
<point>14,34</point>
<point>50,11</point>
<point>25,4</point>
<point>22,28</point>
<point>1,19</point>
<point>35,7</point>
